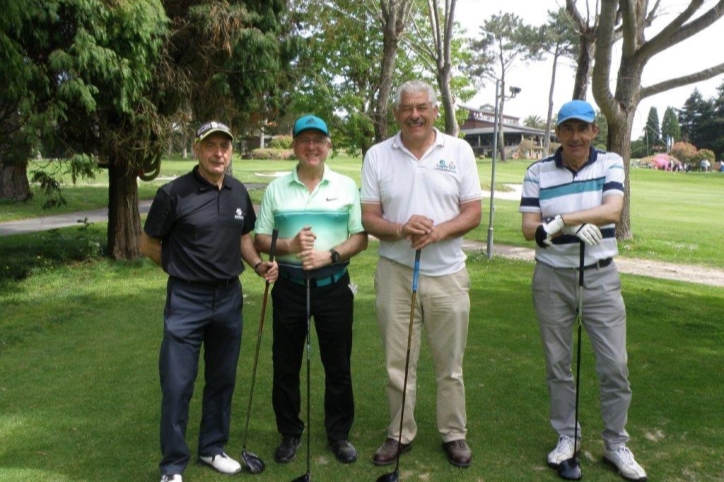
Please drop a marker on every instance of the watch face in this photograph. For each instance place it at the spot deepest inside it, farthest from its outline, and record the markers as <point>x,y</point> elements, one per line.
<point>335,256</point>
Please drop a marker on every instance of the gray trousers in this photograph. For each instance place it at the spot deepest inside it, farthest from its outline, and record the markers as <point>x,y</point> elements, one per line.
<point>555,297</point>
<point>194,316</point>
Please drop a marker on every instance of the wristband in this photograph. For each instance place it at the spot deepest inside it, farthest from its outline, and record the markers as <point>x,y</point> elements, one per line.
<point>256,266</point>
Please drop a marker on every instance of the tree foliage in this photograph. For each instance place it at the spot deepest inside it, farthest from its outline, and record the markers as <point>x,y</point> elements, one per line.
<point>652,129</point>
<point>670,129</point>
<point>504,40</point>
<point>619,105</point>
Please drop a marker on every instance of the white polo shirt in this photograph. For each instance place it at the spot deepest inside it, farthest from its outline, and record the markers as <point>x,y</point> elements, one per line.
<point>434,186</point>
<point>550,188</point>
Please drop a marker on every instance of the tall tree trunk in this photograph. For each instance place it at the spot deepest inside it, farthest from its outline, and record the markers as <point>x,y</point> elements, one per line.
<point>549,117</point>
<point>619,141</point>
<point>501,129</point>
<point>448,103</point>
<point>124,222</point>
<point>14,185</point>
<point>389,55</point>
<point>584,66</point>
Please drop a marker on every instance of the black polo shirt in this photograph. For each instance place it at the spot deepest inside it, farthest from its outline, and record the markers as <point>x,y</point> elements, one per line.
<point>200,227</point>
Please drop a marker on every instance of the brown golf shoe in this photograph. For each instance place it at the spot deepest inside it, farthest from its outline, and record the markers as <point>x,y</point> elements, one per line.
<point>387,453</point>
<point>458,453</point>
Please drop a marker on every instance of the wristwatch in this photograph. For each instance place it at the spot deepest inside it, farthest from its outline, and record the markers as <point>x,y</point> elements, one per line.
<point>335,256</point>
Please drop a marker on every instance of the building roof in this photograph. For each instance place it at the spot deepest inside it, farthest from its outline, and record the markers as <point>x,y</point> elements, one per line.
<point>508,130</point>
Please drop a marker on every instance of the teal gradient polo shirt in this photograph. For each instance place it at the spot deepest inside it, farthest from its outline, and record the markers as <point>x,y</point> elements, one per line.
<point>332,210</point>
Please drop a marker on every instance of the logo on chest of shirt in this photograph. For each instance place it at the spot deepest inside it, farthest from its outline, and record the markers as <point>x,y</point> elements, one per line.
<point>239,214</point>
<point>444,166</point>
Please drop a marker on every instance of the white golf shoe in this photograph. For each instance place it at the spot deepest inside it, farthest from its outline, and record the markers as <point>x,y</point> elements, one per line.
<point>563,451</point>
<point>222,463</point>
<point>171,478</point>
<point>623,460</point>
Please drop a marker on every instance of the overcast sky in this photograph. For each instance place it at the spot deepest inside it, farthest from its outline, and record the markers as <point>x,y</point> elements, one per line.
<point>703,50</point>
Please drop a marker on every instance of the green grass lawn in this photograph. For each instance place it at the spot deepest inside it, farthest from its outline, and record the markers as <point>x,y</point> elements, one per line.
<point>79,394</point>
<point>675,217</point>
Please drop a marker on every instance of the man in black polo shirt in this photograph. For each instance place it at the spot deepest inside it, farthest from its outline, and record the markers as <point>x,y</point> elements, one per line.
<point>198,231</point>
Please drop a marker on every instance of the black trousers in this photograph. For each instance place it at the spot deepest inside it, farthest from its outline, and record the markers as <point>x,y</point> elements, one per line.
<point>196,315</point>
<point>332,308</point>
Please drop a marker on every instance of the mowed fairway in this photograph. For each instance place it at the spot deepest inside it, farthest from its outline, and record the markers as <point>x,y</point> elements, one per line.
<point>79,394</point>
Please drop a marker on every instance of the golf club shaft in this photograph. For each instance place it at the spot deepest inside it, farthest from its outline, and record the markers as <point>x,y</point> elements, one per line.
<point>579,319</point>
<point>415,274</point>
<point>272,249</point>
<point>309,317</point>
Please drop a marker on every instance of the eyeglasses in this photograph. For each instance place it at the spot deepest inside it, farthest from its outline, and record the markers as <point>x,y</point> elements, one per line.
<point>408,108</point>
<point>317,141</point>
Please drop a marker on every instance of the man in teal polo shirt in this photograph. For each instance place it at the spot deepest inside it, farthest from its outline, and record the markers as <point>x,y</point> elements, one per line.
<point>317,212</point>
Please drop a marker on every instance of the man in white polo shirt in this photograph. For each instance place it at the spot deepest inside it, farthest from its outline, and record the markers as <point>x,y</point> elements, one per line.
<point>574,197</point>
<point>420,190</point>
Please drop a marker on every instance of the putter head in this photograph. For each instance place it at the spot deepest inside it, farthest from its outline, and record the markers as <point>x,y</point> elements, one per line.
<point>570,469</point>
<point>253,462</point>
<point>390,477</point>
<point>303,478</point>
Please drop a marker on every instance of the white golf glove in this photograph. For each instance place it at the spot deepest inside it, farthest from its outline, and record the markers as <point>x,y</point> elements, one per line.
<point>549,228</point>
<point>588,233</point>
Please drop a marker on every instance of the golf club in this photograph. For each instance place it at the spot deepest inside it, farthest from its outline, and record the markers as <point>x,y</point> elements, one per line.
<point>395,475</point>
<point>307,477</point>
<point>570,469</point>
<point>253,461</point>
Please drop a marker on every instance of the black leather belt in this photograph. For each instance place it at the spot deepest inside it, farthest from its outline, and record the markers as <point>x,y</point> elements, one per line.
<point>599,264</point>
<point>315,283</point>
<point>220,283</point>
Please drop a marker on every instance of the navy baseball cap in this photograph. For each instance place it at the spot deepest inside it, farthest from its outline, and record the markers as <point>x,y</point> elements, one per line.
<point>210,127</point>
<point>308,122</point>
<point>576,109</point>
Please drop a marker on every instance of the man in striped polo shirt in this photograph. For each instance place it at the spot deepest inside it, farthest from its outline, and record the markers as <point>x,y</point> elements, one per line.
<point>576,196</point>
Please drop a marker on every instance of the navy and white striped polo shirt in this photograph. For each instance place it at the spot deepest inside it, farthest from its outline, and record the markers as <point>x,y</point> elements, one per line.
<point>550,188</point>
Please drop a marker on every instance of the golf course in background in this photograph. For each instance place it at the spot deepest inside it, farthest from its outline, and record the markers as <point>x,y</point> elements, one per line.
<point>79,339</point>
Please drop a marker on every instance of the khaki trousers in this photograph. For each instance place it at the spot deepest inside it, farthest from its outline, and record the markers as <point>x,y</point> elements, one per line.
<point>443,308</point>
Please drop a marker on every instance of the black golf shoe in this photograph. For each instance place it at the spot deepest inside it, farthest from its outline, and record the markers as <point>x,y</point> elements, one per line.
<point>343,450</point>
<point>287,449</point>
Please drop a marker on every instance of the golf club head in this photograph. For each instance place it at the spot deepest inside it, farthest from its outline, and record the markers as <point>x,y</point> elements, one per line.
<point>390,477</point>
<point>253,462</point>
<point>303,478</point>
<point>570,469</point>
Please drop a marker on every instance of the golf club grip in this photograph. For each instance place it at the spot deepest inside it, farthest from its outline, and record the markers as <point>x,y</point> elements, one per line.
<point>416,270</point>
<point>273,248</point>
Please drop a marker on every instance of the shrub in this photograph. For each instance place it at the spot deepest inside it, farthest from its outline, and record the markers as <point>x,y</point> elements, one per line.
<point>267,154</point>
<point>706,154</point>
<point>281,142</point>
<point>684,152</point>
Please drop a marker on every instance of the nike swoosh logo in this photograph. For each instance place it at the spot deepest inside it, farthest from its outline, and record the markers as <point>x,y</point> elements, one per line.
<point>331,198</point>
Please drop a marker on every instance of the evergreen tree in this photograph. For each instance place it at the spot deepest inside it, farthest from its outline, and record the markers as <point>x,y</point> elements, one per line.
<point>670,129</point>
<point>652,129</point>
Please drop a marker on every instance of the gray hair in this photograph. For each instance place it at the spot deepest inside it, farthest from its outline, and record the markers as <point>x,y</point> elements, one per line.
<point>413,87</point>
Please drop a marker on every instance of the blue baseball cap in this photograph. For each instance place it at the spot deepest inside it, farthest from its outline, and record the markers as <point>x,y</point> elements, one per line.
<point>308,122</point>
<point>576,109</point>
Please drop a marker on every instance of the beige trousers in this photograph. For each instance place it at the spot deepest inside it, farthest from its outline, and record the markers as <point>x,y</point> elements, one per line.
<point>443,308</point>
